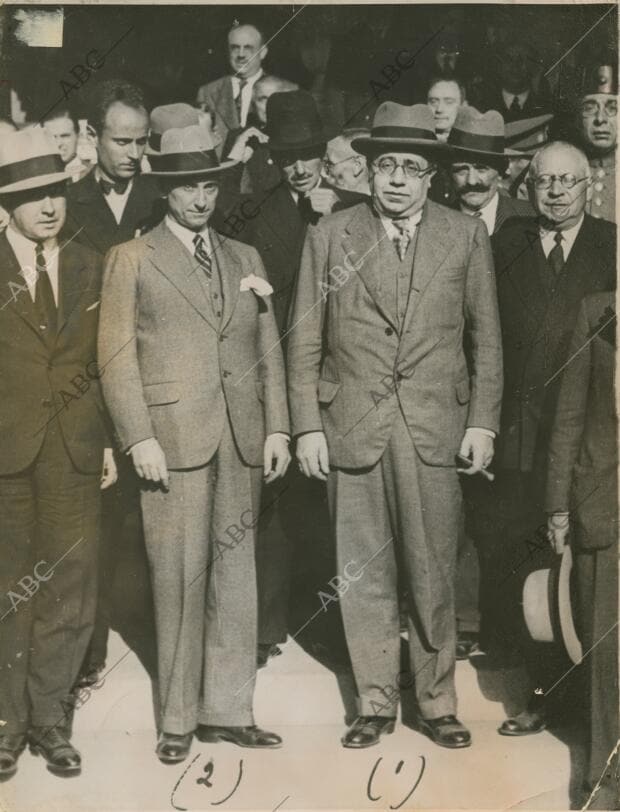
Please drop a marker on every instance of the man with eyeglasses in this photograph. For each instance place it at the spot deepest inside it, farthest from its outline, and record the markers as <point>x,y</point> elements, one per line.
<point>385,411</point>
<point>544,266</point>
<point>598,126</point>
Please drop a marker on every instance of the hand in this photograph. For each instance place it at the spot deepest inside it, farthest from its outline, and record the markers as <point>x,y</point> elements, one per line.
<point>477,446</point>
<point>276,451</point>
<point>557,531</point>
<point>240,150</point>
<point>323,200</point>
<point>109,475</point>
<point>150,461</point>
<point>312,455</point>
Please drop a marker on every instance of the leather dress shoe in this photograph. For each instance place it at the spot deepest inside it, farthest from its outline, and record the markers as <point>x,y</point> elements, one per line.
<point>11,747</point>
<point>526,723</point>
<point>366,731</point>
<point>446,731</point>
<point>173,748</point>
<point>467,645</point>
<point>265,651</point>
<point>61,756</point>
<point>89,677</point>
<point>249,736</point>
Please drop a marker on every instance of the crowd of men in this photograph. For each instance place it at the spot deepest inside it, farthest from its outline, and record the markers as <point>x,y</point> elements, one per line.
<point>420,313</point>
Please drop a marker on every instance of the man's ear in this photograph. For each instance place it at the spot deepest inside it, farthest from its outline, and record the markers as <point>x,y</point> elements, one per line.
<point>263,52</point>
<point>589,186</point>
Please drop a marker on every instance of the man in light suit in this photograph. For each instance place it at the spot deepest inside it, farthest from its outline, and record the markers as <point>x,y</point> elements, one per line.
<point>229,99</point>
<point>195,386</point>
<point>382,401</point>
<point>583,479</point>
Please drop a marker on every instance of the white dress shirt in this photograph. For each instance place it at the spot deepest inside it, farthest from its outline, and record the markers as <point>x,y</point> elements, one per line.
<point>246,93</point>
<point>115,201</point>
<point>488,213</point>
<point>186,235</point>
<point>569,236</point>
<point>25,251</point>
<point>509,97</point>
<point>391,229</point>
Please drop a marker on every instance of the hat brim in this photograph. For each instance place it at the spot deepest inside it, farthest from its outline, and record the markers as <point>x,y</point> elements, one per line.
<point>28,184</point>
<point>191,173</point>
<point>567,625</point>
<point>284,146</point>
<point>368,144</point>
<point>478,154</point>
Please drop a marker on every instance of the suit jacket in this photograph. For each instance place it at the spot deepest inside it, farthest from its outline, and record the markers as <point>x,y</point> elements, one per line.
<point>41,380</point>
<point>176,370</point>
<point>583,450</point>
<point>219,100</point>
<point>91,219</point>
<point>347,344</point>
<point>507,208</point>
<point>537,103</point>
<point>537,324</point>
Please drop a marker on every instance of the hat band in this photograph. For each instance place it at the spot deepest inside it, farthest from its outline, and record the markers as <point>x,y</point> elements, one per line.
<point>155,141</point>
<point>403,132</point>
<point>30,168</point>
<point>184,161</point>
<point>480,143</point>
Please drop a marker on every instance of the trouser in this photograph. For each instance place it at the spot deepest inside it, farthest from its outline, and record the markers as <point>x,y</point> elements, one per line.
<point>400,513</point>
<point>467,587</point>
<point>597,589</point>
<point>200,542</point>
<point>49,536</point>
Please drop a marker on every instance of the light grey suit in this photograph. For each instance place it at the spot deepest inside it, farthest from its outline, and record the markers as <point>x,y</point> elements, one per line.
<point>378,364</point>
<point>198,366</point>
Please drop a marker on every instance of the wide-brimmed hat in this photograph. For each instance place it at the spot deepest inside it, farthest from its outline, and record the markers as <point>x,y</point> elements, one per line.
<point>400,128</point>
<point>527,135</point>
<point>548,605</point>
<point>602,77</point>
<point>293,122</point>
<point>167,117</point>
<point>29,158</point>
<point>187,151</point>
<point>477,135</point>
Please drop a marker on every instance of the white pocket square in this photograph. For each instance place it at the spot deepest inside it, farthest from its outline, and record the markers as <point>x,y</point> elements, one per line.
<point>93,306</point>
<point>254,283</point>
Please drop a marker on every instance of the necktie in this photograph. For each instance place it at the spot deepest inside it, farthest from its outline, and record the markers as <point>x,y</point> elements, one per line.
<point>556,255</point>
<point>44,295</point>
<point>119,186</point>
<point>402,238</point>
<point>306,212</point>
<point>515,107</point>
<point>203,257</point>
<point>239,98</point>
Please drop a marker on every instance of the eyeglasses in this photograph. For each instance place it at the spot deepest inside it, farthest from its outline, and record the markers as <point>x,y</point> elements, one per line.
<point>387,166</point>
<point>591,108</point>
<point>329,165</point>
<point>567,180</point>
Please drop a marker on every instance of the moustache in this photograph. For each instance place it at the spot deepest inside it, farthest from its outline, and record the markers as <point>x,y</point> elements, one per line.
<point>476,188</point>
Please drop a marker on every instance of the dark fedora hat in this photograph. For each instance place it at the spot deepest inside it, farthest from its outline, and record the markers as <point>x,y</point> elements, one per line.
<point>527,135</point>
<point>602,77</point>
<point>477,135</point>
<point>400,128</point>
<point>293,122</point>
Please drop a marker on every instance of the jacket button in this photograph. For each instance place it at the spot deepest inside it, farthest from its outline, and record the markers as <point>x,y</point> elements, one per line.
<point>388,331</point>
<point>225,373</point>
<point>222,337</point>
<point>399,376</point>
<point>46,402</point>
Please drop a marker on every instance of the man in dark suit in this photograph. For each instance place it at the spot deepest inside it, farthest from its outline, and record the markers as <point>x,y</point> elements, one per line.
<point>114,201</point>
<point>582,493</point>
<point>477,164</point>
<point>109,206</point>
<point>544,267</point>
<point>382,402</point>
<point>52,433</point>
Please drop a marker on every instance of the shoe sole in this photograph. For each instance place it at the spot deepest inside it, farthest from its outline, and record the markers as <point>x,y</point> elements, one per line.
<point>61,772</point>
<point>172,759</point>
<point>515,733</point>
<point>219,737</point>
<point>430,735</point>
<point>386,730</point>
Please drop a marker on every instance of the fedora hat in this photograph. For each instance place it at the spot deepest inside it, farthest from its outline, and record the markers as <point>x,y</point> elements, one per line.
<point>547,605</point>
<point>477,135</point>
<point>29,158</point>
<point>602,77</point>
<point>398,128</point>
<point>293,122</point>
<point>187,151</point>
<point>524,137</point>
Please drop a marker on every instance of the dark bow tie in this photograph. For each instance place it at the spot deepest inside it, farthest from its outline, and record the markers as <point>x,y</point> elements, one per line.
<point>119,186</point>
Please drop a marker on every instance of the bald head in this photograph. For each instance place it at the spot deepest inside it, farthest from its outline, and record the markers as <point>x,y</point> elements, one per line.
<point>560,184</point>
<point>566,152</point>
<point>264,88</point>
<point>246,50</point>
<point>344,167</point>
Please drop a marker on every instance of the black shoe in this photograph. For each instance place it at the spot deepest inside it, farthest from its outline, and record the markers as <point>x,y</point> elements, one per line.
<point>173,748</point>
<point>61,756</point>
<point>366,731</point>
<point>11,747</point>
<point>88,677</point>
<point>526,723</point>
<point>467,645</point>
<point>446,731</point>
<point>265,651</point>
<point>249,736</point>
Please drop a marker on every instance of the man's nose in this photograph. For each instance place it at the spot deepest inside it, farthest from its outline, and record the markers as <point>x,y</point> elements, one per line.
<point>299,167</point>
<point>47,206</point>
<point>201,200</point>
<point>556,188</point>
<point>472,176</point>
<point>601,116</point>
<point>133,151</point>
<point>398,176</point>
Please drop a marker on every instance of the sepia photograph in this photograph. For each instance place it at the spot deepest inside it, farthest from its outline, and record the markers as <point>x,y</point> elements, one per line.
<point>308,417</point>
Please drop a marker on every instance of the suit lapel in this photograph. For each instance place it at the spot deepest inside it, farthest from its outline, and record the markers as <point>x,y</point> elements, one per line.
<point>432,247</point>
<point>14,292</point>
<point>361,239</point>
<point>504,211</point>
<point>230,274</point>
<point>137,206</point>
<point>173,261</point>
<point>523,277</point>
<point>94,209</point>
<point>73,281</point>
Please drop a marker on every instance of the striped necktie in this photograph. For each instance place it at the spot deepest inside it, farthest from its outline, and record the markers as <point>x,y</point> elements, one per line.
<point>203,256</point>
<point>239,99</point>
<point>402,238</point>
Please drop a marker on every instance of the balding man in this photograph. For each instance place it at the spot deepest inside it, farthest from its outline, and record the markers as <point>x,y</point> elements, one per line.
<point>344,168</point>
<point>229,99</point>
<point>544,266</point>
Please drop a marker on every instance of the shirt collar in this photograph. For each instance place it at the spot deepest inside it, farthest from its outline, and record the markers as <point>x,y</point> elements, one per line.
<point>569,236</point>
<point>509,97</point>
<point>99,176</point>
<point>248,82</point>
<point>24,245</point>
<point>488,213</point>
<point>186,235</point>
<point>412,222</point>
